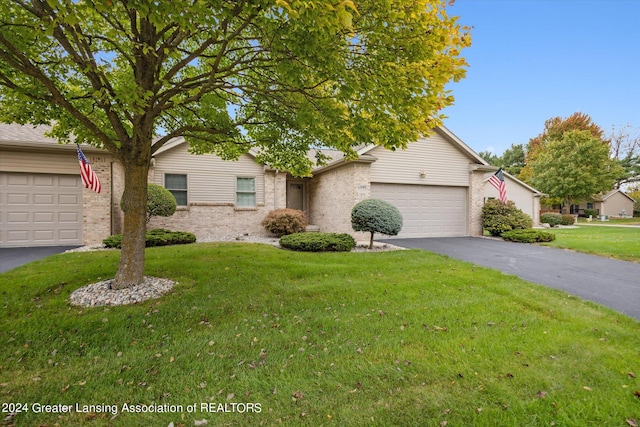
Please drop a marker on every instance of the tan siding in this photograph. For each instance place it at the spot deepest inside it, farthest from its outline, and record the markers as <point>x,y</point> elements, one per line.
<point>615,203</point>
<point>441,162</point>
<point>209,178</point>
<point>14,161</point>
<point>521,196</point>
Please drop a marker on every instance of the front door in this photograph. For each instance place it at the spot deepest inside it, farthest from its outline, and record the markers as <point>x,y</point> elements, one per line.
<point>295,196</point>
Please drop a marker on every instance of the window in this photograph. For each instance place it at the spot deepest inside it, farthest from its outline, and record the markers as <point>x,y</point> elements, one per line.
<point>245,192</point>
<point>177,185</point>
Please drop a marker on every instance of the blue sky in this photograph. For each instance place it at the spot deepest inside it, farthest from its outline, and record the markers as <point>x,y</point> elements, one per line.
<point>531,60</point>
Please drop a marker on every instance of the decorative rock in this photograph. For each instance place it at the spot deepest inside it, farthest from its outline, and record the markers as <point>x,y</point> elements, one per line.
<point>100,294</point>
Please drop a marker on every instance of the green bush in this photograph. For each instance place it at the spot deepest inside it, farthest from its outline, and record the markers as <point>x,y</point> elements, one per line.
<point>376,216</point>
<point>160,201</point>
<point>551,218</point>
<point>281,222</point>
<point>155,237</point>
<point>568,220</point>
<point>528,236</point>
<point>318,242</point>
<point>498,217</point>
<point>590,212</point>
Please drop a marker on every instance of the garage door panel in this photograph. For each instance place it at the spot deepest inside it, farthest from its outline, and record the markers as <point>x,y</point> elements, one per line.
<point>427,211</point>
<point>40,209</point>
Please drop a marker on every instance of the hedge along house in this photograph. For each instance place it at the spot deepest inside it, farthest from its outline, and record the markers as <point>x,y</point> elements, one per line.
<point>437,183</point>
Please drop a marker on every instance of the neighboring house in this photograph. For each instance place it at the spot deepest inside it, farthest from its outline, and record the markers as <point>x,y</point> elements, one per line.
<point>614,203</point>
<point>437,183</point>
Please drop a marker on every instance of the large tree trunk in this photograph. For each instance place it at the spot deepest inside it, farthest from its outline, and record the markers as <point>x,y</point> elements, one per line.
<point>134,203</point>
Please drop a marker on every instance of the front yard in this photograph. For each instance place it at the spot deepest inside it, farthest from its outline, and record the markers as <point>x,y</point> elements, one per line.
<point>254,335</point>
<point>615,242</point>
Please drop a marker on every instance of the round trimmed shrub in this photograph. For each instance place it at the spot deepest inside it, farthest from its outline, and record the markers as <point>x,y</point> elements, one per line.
<point>498,217</point>
<point>155,237</point>
<point>376,216</point>
<point>568,220</point>
<point>590,212</point>
<point>528,236</point>
<point>160,201</point>
<point>318,242</point>
<point>281,222</point>
<point>551,218</point>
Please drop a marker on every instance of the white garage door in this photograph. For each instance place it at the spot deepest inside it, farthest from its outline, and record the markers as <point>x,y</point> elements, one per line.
<point>427,211</point>
<point>40,210</point>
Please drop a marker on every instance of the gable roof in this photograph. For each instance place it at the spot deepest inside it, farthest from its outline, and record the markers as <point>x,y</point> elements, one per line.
<point>449,136</point>
<point>617,190</point>
<point>17,136</point>
<point>522,183</point>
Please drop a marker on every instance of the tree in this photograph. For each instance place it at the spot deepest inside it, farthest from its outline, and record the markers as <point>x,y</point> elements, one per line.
<point>279,76</point>
<point>512,160</point>
<point>625,148</point>
<point>554,129</point>
<point>376,216</point>
<point>575,167</point>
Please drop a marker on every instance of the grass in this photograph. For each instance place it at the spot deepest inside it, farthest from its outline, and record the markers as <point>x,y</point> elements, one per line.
<point>396,338</point>
<point>614,242</point>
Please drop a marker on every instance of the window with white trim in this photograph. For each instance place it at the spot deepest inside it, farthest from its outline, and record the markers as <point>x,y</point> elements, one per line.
<point>245,192</point>
<point>177,185</point>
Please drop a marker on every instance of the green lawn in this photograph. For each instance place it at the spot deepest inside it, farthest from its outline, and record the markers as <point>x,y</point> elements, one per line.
<point>615,242</point>
<point>396,338</point>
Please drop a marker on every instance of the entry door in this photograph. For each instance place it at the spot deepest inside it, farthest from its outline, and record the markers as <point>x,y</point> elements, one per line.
<point>295,196</point>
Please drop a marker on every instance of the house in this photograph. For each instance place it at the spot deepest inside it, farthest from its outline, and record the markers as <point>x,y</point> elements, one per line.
<point>520,193</point>
<point>614,203</point>
<point>438,183</point>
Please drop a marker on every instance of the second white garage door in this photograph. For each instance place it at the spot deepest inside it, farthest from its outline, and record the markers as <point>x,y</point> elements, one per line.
<point>427,211</point>
<point>40,209</point>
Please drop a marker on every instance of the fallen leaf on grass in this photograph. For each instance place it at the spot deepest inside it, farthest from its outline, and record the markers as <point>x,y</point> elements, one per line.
<point>297,395</point>
<point>632,422</point>
<point>541,394</point>
<point>631,375</point>
<point>200,422</point>
<point>586,388</point>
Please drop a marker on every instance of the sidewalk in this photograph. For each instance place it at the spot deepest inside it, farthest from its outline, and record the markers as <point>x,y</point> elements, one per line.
<point>604,224</point>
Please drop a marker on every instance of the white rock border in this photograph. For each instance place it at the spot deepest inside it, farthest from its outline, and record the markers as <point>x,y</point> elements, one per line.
<point>100,294</point>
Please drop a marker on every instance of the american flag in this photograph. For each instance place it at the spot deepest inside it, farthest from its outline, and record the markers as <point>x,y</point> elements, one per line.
<point>89,177</point>
<point>497,180</point>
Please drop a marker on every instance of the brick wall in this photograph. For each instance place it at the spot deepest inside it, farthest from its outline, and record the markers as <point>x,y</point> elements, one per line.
<point>476,200</point>
<point>96,207</point>
<point>333,194</point>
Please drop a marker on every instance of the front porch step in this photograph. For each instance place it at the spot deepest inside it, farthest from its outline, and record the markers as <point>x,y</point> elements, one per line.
<point>313,228</point>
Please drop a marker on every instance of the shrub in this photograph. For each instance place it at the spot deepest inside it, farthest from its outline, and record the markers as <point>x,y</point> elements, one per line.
<point>160,202</point>
<point>498,217</point>
<point>376,216</point>
<point>551,218</point>
<point>590,212</point>
<point>155,237</point>
<point>281,222</point>
<point>318,242</point>
<point>528,236</point>
<point>568,220</point>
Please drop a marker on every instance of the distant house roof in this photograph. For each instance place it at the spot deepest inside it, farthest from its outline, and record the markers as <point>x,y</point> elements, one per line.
<point>612,192</point>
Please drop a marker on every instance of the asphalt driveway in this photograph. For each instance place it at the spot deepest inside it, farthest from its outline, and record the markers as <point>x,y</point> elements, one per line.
<point>610,282</point>
<point>15,257</point>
